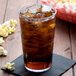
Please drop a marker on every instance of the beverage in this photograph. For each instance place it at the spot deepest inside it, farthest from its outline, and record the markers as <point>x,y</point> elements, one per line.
<point>37,30</point>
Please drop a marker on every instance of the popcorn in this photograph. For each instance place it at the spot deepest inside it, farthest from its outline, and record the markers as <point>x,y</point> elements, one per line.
<point>63,1</point>
<point>13,22</point>
<point>59,5</point>
<point>73,8</point>
<point>9,66</point>
<point>67,8</point>
<point>53,4</point>
<point>12,29</point>
<point>2,32</point>
<point>73,11</point>
<point>1,40</point>
<point>2,51</point>
<point>7,28</point>
<point>6,23</point>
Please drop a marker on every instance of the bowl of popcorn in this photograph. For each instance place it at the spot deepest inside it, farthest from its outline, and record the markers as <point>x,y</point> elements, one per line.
<point>66,9</point>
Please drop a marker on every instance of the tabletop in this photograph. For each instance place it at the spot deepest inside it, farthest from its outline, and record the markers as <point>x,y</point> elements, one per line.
<point>64,41</point>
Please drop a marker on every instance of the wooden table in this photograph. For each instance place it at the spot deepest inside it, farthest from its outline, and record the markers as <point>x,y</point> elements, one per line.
<point>64,42</point>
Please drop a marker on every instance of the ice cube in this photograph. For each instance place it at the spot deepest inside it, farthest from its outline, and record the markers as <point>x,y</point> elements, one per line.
<point>46,8</point>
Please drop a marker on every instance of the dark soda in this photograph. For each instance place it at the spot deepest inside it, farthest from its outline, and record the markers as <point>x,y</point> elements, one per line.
<point>37,31</point>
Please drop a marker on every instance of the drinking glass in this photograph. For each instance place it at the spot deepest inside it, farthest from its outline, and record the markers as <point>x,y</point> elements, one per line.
<point>37,31</point>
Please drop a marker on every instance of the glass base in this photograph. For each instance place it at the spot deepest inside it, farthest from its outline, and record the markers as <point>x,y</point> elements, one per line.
<point>33,70</point>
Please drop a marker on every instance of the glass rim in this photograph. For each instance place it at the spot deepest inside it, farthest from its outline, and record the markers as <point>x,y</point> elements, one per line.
<point>51,17</point>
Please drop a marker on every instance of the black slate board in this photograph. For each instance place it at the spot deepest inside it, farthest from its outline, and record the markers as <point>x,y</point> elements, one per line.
<point>59,66</point>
